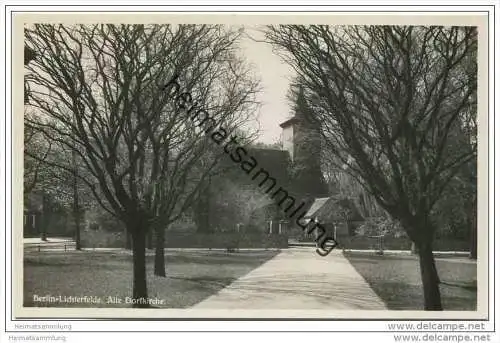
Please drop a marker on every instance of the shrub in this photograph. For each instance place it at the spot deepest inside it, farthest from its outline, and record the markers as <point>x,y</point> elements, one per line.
<point>377,226</point>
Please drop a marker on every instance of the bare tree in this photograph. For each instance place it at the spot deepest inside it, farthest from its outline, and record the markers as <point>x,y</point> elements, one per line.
<point>389,99</point>
<point>100,91</point>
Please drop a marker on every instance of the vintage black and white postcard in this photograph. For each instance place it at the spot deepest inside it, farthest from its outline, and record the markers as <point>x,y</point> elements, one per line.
<point>250,166</point>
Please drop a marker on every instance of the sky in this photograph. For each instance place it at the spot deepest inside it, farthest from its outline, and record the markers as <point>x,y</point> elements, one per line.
<point>275,80</point>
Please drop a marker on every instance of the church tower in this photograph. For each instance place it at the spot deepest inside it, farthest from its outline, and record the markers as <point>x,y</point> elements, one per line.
<point>301,138</point>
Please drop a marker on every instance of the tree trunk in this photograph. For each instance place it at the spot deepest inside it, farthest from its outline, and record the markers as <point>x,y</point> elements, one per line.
<point>202,215</point>
<point>43,226</point>
<point>430,278</point>
<point>202,211</point>
<point>149,240</point>
<point>140,290</point>
<point>43,233</point>
<point>473,244</point>
<point>78,240</point>
<point>414,249</point>
<point>128,240</point>
<point>160,252</point>
<point>472,223</point>
<point>44,223</point>
<point>76,205</point>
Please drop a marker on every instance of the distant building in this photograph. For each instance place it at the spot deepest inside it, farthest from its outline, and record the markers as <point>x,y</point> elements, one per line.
<point>296,167</point>
<point>288,136</point>
<point>301,139</point>
<point>339,216</point>
<point>267,215</point>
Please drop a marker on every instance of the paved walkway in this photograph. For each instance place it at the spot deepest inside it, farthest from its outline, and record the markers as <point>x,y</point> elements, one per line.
<point>298,278</point>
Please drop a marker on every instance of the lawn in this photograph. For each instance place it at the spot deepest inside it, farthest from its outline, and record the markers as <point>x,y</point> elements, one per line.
<point>396,280</point>
<point>191,275</point>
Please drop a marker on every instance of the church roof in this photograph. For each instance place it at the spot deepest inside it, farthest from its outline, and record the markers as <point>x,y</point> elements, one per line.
<point>289,122</point>
<point>316,205</point>
<point>333,209</point>
<point>275,162</point>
